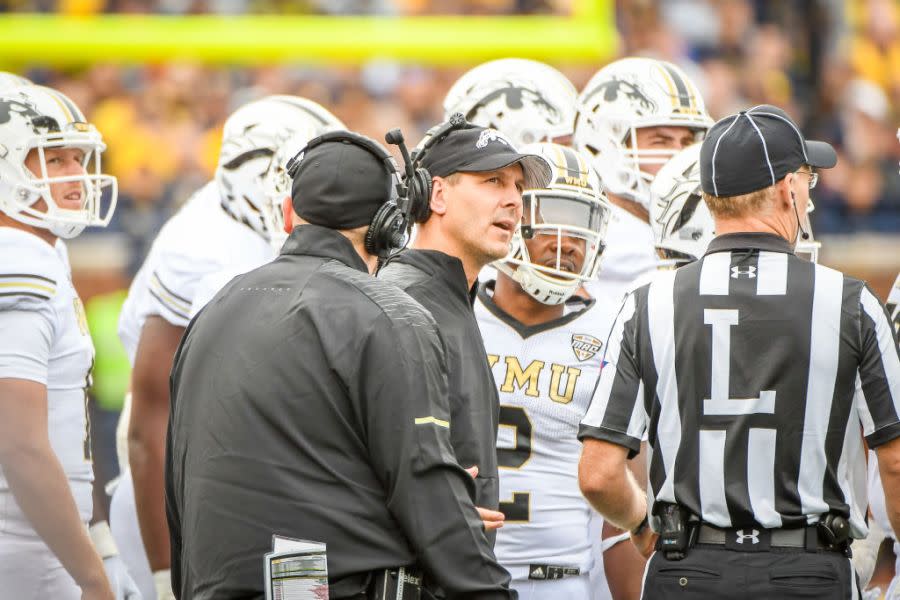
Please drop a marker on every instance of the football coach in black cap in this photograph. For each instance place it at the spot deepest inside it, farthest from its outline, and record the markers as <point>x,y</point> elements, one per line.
<point>756,375</point>
<point>310,400</point>
<point>466,196</point>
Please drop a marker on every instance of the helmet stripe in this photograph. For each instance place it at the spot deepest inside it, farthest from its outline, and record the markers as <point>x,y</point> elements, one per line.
<point>572,164</point>
<point>684,95</point>
<point>62,106</point>
<point>673,93</point>
<point>77,115</point>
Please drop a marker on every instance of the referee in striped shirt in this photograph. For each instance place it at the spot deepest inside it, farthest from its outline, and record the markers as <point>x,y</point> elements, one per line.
<point>758,376</point>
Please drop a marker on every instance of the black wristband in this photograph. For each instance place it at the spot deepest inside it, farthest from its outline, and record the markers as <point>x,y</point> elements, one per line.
<point>641,526</point>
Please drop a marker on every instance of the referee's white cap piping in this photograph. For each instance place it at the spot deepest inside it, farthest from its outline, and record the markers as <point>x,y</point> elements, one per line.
<point>716,150</point>
<point>762,138</point>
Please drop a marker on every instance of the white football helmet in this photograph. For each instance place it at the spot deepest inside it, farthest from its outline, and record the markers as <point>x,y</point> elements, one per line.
<point>623,97</point>
<point>9,81</point>
<point>278,184</point>
<point>253,133</point>
<point>572,205</point>
<point>526,100</point>
<point>682,224</point>
<point>37,118</point>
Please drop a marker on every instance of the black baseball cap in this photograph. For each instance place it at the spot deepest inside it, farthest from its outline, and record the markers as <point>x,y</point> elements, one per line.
<point>754,149</point>
<point>479,149</point>
<point>339,184</point>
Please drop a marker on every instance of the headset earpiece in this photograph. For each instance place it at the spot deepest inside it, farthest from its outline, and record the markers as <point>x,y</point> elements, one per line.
<point>420,195</point>
<point>388,229</point>
<point>418,179</point>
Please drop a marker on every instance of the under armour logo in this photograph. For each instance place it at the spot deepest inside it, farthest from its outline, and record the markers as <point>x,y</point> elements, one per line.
<point>741,536</point>
<point>749,272</point>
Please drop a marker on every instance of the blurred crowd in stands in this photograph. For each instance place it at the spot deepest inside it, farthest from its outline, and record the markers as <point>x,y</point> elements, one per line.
<point>833,64</point>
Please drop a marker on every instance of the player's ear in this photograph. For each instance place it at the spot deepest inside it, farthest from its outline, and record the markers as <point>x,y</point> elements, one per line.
<point>287,211</point>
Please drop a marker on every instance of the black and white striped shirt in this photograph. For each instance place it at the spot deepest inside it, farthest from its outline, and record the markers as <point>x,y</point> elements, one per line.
<point>753,373</point>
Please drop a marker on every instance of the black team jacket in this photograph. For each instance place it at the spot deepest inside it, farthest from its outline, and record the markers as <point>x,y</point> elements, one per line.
<point>311,400</point>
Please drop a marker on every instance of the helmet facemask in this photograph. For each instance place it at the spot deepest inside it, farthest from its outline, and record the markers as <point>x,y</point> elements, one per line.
<point>681,222</point>
<point>241,183</point>
<point>624,97</point>
<point>567,218</point>
<point>31,200</point>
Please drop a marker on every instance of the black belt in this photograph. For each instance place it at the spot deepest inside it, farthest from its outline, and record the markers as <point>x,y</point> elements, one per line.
<point>395,584</point>
<point>380,584</point>
<point>757,539</point>
<point>545,572</point>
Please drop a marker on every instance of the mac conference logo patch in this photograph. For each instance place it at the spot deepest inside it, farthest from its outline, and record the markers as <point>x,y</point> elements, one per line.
<point>585,346</point>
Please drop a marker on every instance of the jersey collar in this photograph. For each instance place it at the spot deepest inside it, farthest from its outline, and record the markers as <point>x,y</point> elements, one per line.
<point>750,240</point>
<point>576,303</point>
<point>444,267</point>
<point>313,240</point>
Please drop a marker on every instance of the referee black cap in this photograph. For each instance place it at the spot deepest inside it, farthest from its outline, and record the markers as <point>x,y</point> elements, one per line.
<point>754,149</point>
<point>339,184</point>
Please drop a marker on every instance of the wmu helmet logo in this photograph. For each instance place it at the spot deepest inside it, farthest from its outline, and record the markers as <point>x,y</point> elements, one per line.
<point>491,135</point>
<point>585,346</point>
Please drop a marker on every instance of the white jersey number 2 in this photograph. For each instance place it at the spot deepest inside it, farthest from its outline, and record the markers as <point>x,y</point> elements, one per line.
<point>519,508</point>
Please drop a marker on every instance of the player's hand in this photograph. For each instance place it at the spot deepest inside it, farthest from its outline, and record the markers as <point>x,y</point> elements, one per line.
<point>120,582</point>
<point>123,586</point>
<point>162,580</point>
<point>645,541</point>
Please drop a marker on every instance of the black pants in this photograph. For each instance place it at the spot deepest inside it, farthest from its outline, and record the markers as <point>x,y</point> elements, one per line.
<point>713,573</point>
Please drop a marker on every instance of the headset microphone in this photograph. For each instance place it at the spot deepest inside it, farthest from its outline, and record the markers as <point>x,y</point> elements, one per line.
<point>803,233</point>
<point>395,138</point>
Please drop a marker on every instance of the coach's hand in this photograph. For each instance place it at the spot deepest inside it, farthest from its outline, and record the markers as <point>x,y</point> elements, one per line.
<point>645,541</point>
<point>492,519</point>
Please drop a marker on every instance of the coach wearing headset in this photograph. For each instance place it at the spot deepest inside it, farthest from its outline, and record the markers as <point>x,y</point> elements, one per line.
<point>466,196</point>
<point>310,400</point>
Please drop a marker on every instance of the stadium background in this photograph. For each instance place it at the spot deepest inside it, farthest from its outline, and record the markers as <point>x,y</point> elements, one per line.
<point>159,77</point>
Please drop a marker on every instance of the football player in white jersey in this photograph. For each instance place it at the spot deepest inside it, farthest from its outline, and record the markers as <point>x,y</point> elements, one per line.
<point>633,116</point>
<point>682,225</point>
<point>51,187</point>
<point>544,348</point>
<point>525,100</point>
<point>220,233</point>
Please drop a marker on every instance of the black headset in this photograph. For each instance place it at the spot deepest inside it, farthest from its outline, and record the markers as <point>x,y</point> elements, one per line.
<point>417,202</point>
<point>389,228</point>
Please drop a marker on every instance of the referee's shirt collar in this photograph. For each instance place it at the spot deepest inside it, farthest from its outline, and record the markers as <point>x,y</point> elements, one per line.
<point>314,240</point>
<point>749,240</point>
